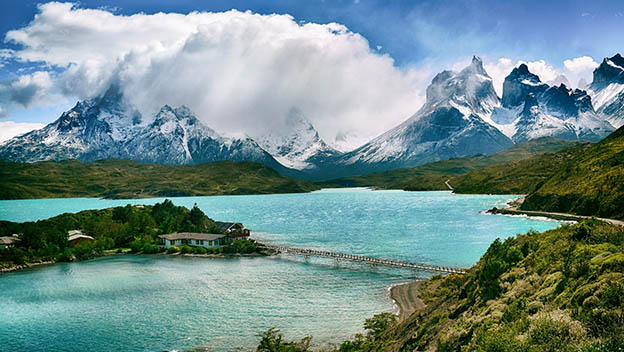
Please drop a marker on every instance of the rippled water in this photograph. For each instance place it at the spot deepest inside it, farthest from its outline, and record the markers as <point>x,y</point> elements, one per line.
<point>158,302</point>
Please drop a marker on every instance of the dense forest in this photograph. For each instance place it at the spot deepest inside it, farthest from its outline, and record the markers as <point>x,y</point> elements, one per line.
<point>129,228</point>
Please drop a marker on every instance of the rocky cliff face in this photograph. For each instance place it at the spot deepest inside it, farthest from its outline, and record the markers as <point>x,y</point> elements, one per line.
<point>607,89</point>
<point>532,109</point>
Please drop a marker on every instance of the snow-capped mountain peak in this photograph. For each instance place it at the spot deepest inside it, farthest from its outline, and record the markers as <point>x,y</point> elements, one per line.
<point>451,123</point>
<point>106,127</point>
<point>607,89</point>
<point>470,90</point>
<point>532,109</point>
<point>298,145</point>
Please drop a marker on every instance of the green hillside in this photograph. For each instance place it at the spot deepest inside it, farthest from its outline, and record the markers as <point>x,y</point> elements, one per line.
<point>590,183</point>
<point>112,178</point>
<point>431,176</point>
<point>586,179</point>
<point>515,177</point>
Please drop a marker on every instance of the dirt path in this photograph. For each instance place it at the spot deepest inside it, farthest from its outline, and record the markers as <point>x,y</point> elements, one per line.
<point>407,298</point>
<point>448,184</point>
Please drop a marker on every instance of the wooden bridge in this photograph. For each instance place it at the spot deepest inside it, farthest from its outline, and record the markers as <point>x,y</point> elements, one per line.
<point>363,259</point>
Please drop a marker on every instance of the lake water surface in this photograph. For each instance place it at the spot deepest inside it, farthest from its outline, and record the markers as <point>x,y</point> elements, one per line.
<point>148,303</point>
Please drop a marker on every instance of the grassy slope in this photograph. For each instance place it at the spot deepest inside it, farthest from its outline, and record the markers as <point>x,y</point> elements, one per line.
<point>112,178</point>
<point>515,177</point>
<point>562,290</point>
<point>586,179</point>
<point>590,183</point>
<point>431,176</point>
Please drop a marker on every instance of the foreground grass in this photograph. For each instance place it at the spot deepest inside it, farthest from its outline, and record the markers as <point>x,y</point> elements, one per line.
<point>113,178</point>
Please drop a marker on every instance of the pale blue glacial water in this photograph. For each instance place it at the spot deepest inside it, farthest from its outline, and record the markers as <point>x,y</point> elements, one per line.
<point>148,303</point>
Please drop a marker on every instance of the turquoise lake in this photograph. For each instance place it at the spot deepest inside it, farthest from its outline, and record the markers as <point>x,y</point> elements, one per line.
<point>151,303</point>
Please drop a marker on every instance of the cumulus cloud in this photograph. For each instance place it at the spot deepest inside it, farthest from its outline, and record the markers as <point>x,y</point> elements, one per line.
<point>498,70</point>
<point>580,69</point>
<point>30,89</point>
<point>10,129</point>
<point>239,71</point>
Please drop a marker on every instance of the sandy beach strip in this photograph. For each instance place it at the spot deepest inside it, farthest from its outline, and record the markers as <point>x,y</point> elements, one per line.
<point>407,298</point>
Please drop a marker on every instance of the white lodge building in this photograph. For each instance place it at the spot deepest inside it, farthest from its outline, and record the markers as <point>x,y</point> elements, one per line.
<point>206,240</point>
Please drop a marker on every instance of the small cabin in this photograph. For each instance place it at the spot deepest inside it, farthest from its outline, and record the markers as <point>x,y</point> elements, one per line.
<point>75,237</point>
<point>236,230</point>
<point>206,240</point>
<point>8,241</point>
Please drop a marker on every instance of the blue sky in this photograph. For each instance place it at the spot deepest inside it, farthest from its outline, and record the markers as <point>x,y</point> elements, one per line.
<point>415,34</point>
<point>550,30</point>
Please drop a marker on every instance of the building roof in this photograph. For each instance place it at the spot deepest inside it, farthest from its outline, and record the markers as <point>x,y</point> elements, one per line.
<point>79,236</point>
<point>192,236</point>
<point>224,226</point>
<point>7,240</point>
<point>74,232</point>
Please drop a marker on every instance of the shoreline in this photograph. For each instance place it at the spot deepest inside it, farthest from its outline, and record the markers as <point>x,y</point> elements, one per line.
<point>406,297</point>
<point>24,266</point>
<point>513,208</point>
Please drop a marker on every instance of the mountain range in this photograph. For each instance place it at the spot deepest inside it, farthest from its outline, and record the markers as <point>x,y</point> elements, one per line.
<point>462,116</point>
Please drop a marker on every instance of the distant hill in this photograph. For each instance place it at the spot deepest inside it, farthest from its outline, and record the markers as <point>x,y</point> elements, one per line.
<point>515,177</point>
<point>586,179</point>
<point>113,178</point>
<point>590,183</point>
<point>432,176</point>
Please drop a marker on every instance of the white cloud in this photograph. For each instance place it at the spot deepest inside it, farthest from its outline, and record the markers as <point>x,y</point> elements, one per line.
<point>239,71</point>
<point>580,68</point>
<point>543,69</point>
<point>580,64</point>
<point>29,90</point>
<point>10,129</point>
<point>498,70</point>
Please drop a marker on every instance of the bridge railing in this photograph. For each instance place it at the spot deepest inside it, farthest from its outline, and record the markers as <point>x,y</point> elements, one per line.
<point>364,259</point>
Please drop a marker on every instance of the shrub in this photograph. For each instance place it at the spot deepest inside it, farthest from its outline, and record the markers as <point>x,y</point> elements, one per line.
<point>273,341</point>
<point>83,251</point>
<point>515,310</point>
<point>136,246</point>
<point>151,249</point>
<point>186,249</point>
<point>65,256</point>
<point>173,249</point>
<point>200,250</point>
<point>501,340</point>
<point>213,250</point>
<point>379,323</point>
<point>582,231</point>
